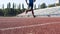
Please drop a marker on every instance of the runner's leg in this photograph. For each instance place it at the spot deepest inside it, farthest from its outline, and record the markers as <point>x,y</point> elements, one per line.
<point>32,10</point>
<point>28,9</point>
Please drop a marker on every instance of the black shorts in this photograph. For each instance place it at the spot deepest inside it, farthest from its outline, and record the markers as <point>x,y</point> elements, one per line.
<point>30,6</point>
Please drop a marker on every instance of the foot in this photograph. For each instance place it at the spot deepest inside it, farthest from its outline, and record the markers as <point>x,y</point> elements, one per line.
<point>34,16</point>
<point>48,15</point>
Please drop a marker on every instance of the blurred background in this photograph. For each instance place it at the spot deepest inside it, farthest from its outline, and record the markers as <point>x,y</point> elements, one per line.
<point>15,7</point>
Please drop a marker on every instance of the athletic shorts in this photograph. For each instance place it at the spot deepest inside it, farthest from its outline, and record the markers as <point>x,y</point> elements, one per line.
<point>30,6</point>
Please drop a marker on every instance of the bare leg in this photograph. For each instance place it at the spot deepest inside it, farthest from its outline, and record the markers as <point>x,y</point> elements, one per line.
<point>28,11</point>
<point>33,13</point>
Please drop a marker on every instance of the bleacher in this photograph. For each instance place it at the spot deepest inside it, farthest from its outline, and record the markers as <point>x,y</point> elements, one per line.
<point>52,11</point>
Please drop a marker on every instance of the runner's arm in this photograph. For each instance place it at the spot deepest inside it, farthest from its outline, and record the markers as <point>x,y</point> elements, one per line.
<point>26,2</point>
<point>34,0</point>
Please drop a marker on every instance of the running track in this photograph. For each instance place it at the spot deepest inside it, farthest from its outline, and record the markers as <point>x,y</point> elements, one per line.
<point>49,25</point>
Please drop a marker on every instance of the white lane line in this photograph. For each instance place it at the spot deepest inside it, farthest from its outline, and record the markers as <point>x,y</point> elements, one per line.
<point>29,26</point>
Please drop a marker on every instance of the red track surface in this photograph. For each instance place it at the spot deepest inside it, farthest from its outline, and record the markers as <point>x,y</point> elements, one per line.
<point>18,22</point>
